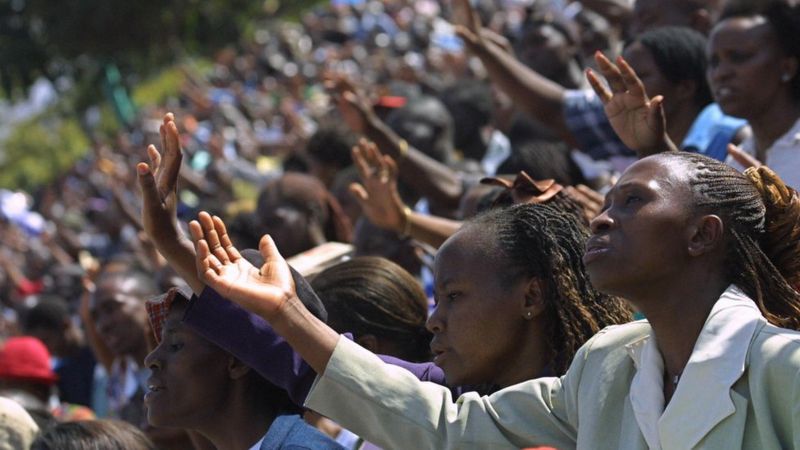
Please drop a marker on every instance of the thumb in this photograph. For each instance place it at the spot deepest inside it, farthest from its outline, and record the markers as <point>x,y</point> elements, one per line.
<point>742,157</point>
<point>466,35</point>
<point>657,111</point>
<point>148,185</point>
<point>358,191</point>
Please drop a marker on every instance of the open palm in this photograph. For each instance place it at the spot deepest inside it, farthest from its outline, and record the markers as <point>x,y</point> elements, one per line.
<point>261,290</point>
<point>637,119</point>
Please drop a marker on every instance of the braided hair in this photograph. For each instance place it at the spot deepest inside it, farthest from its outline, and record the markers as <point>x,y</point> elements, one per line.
<point>372,295</point>
<point>761,216</point>
<point>547,242</point>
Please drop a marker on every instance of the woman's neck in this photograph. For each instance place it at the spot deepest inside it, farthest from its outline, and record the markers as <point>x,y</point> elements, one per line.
<point>237,428</point>
<point>530,360</point>
<point>677,318</point>
<point>773,124</point>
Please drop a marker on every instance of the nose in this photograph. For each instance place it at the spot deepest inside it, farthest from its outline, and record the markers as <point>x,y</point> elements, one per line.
<point>435,323</point>
<point>602,222</point>
<point>153,359</point>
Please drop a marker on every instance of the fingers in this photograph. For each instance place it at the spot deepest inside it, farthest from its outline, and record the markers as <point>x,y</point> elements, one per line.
<point>358,191</point>
<point>632,82</point>
<point>155,158</point>
<point>211,236</point>
<point>360,161</point>
<point>208,266</point>
<point>599,88</point>
<point>610,72</point>
<point>147,184</point>
<point>168,177</point>
<point>742,157</point>
<point>225,240</point>
<point>656,114</point>
<point>275,269</point>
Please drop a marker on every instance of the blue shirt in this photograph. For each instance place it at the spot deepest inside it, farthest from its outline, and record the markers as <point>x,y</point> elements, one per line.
<point>709,134</point>
<point>291,432</point>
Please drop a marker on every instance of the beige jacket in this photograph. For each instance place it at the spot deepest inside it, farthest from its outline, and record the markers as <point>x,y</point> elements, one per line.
<point>588,408</point>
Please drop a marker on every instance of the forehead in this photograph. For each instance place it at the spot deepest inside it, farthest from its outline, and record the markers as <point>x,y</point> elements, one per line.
<point>116,290</point>
<point>741,30</point>
<point>469,249</point>
<point>667,175</point>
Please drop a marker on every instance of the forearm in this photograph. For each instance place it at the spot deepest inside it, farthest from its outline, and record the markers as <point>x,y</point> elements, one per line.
<point>310,337</point>
<point>534,94</point>
<point>429,229</point>
<point>180,254</point>
<point>427,176</point>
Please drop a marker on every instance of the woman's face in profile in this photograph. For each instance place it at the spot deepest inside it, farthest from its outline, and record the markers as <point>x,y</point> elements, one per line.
<point>478,321</point>
<point>187,385</point>
<point>639,241</point>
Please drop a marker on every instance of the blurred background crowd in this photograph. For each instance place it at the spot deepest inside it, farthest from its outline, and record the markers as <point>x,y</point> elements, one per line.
<point>267,122</point>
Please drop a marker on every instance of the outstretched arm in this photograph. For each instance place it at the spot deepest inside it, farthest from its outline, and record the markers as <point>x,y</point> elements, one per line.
<point>537,96</point>
<point>159,184</point>
<point>636,118</point>
<point>427,176</point>
<point>381,203</point>
<point>268,290</point>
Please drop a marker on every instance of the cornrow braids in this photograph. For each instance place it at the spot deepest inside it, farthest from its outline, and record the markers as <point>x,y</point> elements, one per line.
<point>763,250</point>
<point>547,242</point>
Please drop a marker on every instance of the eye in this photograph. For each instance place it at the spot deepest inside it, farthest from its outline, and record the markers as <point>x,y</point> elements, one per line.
<point>175,346</point>
<point>632,199</point>
<point>452,296</point>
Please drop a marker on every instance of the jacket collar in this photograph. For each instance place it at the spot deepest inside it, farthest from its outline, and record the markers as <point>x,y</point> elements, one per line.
<point>717,361</point>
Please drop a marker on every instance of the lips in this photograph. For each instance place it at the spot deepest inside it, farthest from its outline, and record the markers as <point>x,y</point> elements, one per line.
<point>154,388</point>
<point>596,247</point>
<point>439,352</point>
<point>723,93</point>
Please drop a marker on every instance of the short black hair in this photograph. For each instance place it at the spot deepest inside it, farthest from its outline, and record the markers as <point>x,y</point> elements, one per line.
<point>331,144</point>
<point>49,313</point>
<point>680,54</point>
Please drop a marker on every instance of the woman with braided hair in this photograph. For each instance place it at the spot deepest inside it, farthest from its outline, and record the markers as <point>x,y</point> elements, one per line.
<point>687,240</point>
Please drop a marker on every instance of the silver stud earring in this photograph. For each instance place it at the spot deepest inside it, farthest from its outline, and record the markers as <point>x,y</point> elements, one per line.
<point>786,78</point>
<point>528,315</point>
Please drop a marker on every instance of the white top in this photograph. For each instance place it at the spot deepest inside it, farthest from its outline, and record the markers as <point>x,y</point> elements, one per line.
<point>257,445</point>
<point>783,157</point>
<point>719,355</point>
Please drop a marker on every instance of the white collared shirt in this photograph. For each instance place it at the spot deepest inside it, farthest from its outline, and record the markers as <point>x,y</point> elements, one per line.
<point>783,156</point>
<point>716,363</point>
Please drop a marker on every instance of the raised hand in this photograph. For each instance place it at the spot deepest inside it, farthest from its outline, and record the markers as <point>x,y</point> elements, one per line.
<point>261,290</point>
<point>352,104</point>
<point>637,119</point>
<point>377,194</point>
<point>158,182</point>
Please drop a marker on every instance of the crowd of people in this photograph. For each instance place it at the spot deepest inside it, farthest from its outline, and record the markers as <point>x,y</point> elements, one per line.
<point>429,224</point>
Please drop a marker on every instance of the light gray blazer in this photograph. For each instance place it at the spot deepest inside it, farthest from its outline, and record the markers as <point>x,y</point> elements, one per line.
<point>588,408</point>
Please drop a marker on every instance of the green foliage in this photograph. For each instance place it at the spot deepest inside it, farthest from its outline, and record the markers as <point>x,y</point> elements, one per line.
<point>40,149</point>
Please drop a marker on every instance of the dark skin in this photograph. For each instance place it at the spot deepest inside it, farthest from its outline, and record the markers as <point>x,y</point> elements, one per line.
<point>217,405</point>
<point>649,244</point>
<point>506,348</point>
<point>120,317</point>
<point>744,52</point>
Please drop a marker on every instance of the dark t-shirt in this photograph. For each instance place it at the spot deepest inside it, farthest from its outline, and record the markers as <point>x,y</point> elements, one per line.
<point>75,377</point>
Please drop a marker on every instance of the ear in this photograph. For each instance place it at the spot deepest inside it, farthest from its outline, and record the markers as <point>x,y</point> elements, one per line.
<point>368,341</point>
<point>705,235</point>
<point>236,369</point>
<point>789,66</point>
<point>534,299</point>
